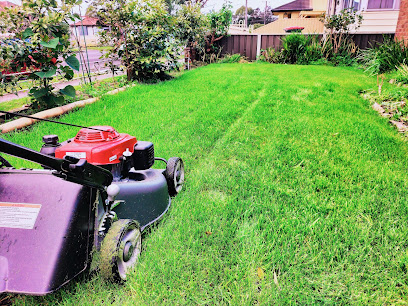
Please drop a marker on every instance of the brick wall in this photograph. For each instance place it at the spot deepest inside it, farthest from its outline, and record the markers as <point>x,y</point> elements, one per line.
<point>402,26</point>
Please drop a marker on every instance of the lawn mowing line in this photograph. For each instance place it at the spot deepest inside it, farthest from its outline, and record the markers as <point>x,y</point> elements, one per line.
<point>233,127</point>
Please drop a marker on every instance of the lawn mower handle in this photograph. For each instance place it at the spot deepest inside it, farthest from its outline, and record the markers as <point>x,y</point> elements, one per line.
<point>71,169</point>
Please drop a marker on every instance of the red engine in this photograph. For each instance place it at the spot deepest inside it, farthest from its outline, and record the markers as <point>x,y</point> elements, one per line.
<point>98,147</point>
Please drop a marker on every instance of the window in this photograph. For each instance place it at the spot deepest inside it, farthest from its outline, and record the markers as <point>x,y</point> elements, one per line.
<point>83,31</point>
<point>382,4</point>
<point>352,4</point>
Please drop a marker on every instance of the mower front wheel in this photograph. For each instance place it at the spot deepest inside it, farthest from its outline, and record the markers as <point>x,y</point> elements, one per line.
<point>174,175</point>
<point>120,250</point>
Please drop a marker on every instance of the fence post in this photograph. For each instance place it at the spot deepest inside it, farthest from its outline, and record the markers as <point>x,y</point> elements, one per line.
<point>258,45</point>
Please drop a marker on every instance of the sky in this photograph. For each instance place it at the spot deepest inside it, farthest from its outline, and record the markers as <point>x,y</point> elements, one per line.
<point>217,4</point>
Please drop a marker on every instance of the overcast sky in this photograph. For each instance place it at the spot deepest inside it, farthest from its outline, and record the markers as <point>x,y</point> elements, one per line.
<point>217,4</point>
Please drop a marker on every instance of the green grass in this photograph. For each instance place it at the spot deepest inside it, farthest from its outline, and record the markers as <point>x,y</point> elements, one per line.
<point>14,104</point>
<point>288,170</point>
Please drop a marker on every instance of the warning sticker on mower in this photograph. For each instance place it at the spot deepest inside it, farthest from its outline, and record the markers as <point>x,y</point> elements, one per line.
<point>18,215</point>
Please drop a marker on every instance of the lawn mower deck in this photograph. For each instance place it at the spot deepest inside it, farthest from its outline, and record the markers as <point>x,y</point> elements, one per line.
<point>95,196</point>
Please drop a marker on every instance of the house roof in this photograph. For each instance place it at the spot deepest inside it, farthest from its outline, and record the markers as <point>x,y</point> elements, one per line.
<point>4,4</point>
<point>297,5</point>
<point>87,21</point>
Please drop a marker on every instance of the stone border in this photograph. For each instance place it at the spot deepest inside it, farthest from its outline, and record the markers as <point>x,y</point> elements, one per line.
<point>401,127</point>
<point>53,112</point>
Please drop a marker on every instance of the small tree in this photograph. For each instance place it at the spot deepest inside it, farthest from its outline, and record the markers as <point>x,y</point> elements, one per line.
<point>241,11</point>
<point>340,25</point>
<point>219,23</point>
<point>141,33</point>
<point>171,4</point>
<point>41,44</point>
<point>191,24</point>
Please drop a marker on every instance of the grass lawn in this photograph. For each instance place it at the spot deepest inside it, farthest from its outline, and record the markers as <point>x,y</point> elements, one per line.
<point>296,190</point>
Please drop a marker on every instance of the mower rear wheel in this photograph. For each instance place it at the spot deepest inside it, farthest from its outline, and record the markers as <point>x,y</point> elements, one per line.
<point>120,250</point>
<point>174,175</point>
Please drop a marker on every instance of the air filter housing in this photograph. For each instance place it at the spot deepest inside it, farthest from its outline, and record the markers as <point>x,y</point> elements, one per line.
<point>143,155</point>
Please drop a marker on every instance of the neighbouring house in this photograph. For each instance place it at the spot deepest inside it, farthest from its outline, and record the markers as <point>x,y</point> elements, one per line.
<point>86,30</point>
<point>4,4</point>
<point>379,16</point>
<point>401,32</point>
<point>299,13</point>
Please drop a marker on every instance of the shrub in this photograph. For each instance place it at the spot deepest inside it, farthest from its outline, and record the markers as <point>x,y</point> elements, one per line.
<point>294,48</point>
<point>191,24</point>
<point>271,55</point>
<point>233,58</point>
<point>402,74</point>
<point>385,57</point>
<point>41,45</point>
<point>218,25</point>
<point>347,53</point>
<point>301,49</point>
<point>142,35</point>
<point>314,50</point>
<point>339,26</point>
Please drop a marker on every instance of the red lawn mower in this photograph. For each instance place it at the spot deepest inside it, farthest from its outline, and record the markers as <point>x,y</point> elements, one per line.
<point>96,194</point>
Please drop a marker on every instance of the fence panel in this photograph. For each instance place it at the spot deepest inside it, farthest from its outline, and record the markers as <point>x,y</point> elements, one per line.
<point>242,44</point>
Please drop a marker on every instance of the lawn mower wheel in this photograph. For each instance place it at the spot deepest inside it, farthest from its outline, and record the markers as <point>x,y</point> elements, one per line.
<point>174,175</point>
<point>120,250</point>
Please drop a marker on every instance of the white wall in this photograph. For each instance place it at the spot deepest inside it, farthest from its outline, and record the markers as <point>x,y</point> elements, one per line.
<point>375,21</point>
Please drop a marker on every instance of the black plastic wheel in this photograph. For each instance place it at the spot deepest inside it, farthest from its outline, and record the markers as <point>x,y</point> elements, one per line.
<point>120,250</point>
<point>4,162</point>
<point>174,175</point>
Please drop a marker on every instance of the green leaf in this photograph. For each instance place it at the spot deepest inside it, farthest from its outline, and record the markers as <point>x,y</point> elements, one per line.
<point>69,75</point>
<point>72,62</point>
<point>38,93</point>
<point>52,43</point>
<point>57,100</point>
<point>27,33</point>
<point>46,74</point>
<point>69,90</point>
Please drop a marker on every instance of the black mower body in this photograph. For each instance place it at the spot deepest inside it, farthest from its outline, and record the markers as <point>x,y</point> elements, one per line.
<point>53,220</point>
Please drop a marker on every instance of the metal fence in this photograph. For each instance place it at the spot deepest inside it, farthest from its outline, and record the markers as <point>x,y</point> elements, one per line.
<point>250,45</point>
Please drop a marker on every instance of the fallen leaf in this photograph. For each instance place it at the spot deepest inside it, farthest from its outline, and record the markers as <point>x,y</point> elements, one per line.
<point>261,273</point>
<point>275,279</point>
<point>208,233</point>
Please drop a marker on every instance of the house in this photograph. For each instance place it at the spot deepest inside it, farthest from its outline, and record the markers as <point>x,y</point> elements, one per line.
<point>298,13</point>
<point>86,30</point>
<point>379,16</point>
<point>401,32</point>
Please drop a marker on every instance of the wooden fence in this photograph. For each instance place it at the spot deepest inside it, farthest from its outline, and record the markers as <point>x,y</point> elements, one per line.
<point>250,45</point>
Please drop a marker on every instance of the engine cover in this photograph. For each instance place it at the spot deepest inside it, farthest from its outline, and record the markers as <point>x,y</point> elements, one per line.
<point>97,147</point>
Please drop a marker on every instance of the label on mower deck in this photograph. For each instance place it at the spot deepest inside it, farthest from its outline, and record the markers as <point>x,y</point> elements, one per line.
<point>18,215</point>
<point>78,155</point>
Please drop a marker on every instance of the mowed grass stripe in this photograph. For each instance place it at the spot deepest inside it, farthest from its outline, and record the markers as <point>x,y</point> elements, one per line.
<point>290,172</point>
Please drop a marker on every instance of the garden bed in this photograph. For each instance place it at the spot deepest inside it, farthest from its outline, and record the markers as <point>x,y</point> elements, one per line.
<point>83,92</point>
